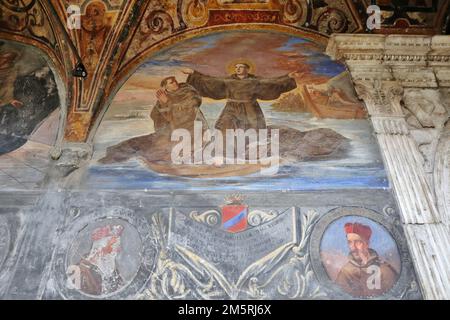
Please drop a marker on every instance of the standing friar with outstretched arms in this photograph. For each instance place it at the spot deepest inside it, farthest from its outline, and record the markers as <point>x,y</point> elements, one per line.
<point>243,90</point>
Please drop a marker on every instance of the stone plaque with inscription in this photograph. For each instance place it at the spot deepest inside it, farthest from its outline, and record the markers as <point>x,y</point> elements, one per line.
<point>231,254</point>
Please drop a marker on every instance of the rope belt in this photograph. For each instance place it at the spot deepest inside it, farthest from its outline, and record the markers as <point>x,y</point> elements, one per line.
<point>241,101</point>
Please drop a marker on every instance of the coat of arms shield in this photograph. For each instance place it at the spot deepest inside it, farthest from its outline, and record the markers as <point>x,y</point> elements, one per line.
<point>234,218</point>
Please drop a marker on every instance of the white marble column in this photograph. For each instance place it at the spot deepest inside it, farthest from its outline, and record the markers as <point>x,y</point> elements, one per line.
<point>384,70</point>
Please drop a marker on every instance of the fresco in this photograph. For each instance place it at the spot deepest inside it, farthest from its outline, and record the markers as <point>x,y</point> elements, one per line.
<point>317,134</point>
<point>360,256</point>
<point>29,115</point>
<point>96,24</point>
<point>104,258</point>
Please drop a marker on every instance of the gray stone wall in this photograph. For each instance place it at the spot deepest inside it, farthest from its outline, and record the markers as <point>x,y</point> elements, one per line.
<point>172,246</point>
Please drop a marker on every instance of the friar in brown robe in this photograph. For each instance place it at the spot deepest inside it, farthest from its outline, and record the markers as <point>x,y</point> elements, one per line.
<point>243,90</point>
<point>178,107</point>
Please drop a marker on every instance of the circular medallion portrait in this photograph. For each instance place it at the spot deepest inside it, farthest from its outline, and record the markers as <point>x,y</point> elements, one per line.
<point>360,256</point>
<point>104,258</point>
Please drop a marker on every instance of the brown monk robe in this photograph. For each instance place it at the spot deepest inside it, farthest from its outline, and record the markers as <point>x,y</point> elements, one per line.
<point>365,274</point>
<point>180,112</point>
<point>179,109</point>
<point>354,276</point>
<point>242,110</point>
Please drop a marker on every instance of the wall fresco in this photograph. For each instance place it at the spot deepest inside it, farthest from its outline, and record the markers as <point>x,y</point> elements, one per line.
<point>291,86</point>
<point>29,115</point>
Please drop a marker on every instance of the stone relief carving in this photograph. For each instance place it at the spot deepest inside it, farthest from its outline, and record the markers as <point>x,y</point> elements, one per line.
<point>426,116</point>
<point>441,174</point>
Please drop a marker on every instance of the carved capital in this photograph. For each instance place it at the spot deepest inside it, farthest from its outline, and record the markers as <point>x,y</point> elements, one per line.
<point>414,61</point>
<point>382,98</point>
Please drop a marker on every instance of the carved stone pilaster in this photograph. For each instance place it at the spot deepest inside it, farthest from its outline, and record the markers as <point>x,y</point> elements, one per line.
<point>426,116</point>
<point>403,160</point>
<point>390,125</point>
<point>397,77</point>
<point>441,175</point>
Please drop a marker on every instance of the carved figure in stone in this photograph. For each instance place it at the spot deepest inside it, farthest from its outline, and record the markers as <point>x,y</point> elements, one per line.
<point>426,116</point>
<point>178,107</point>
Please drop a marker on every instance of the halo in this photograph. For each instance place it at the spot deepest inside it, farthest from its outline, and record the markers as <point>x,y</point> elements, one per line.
<point>233,63</point>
